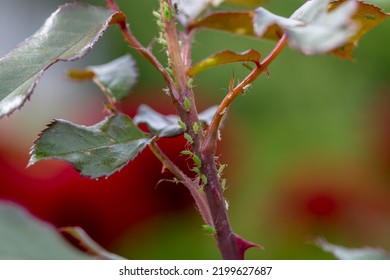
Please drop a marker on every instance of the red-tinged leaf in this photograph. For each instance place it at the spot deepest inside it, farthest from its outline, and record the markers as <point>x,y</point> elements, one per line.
<point>339,40</point>
<point>321,27</point>
<point>239,23</point>
<point>367,17</point>
<point>68,34</point>
<point>224,57</point>
<point>312,29</point>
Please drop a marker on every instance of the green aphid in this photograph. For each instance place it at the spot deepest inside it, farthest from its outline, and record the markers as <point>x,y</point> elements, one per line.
<point>188,138</point>
<point>187,104</point>
<point>221,169</point>
<point>162,41</point>
<point>196,170</point>
<point>196,159</point>
<point>195,128</point>
<point>182,125</point>
<point>223,184</point>
<point>169,70</point>
<point>156,14</point>
<point>204,179</point>
<point>187,153</point>
<point>209,229</point>
<point>160,24</point>
<point>166,11</point>
<point>190,83</point>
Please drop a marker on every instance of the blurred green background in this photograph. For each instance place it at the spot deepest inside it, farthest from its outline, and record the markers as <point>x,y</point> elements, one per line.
<point>308,148</point>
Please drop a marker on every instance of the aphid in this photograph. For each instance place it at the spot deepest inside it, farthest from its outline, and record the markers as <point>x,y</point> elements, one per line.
<point>169,70</point>
<point>188,138</point>
<point>204,179</point>
<point>223,184</point>
<point>195,128</point>
<point>182,125</point>
<point>187,153</point>
<point>187,104</point>
<point>156,14</point>
<point>160,24</point>
<point>197,161</point>
<point>196,170</point>
<point>162,41</point>
<point>209,229</point>
<point>167,12</point>
<point>190,82</point>
<point>221,169</point>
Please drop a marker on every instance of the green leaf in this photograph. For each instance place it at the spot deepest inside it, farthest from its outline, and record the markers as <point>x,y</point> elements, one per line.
<point>68,34</point>
<point>167,125</point>
<point>95,151</point>
<point>312,29</point>
<point>224,57</point>
<point>25,237</point>
<point>343,253</point>
<point>116,78</point>
<point>88,244</point>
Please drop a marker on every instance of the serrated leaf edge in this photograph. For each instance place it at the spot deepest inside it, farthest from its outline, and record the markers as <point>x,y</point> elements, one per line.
<point>83,52</point>
<point>33,159</point>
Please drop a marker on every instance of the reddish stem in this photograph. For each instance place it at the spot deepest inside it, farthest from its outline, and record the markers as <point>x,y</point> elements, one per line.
<point>187,182</point>
<point>210,141</point>
<point>145,52</point>
<point>112,5</point>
